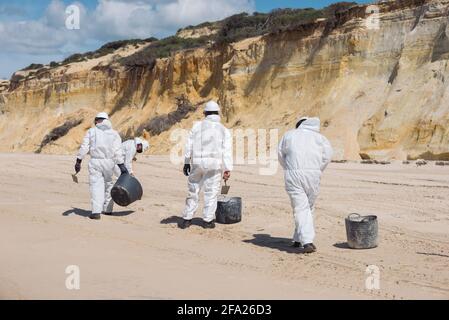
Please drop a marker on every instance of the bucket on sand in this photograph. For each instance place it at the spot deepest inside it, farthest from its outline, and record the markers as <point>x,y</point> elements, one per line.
<point>126,190</point>
<point>229,210</point>
<point>361,231</point>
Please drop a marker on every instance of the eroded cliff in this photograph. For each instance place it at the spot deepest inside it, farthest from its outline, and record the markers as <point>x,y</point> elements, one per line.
<point>380,92</point>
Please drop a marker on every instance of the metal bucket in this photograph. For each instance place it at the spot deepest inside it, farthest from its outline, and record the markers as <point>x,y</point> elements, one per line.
<point>229,210</point>
<point>361,231</point>
<point>126,190</point>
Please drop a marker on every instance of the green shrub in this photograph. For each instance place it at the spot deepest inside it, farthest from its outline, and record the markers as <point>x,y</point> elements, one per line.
<point>241,26</point>
<point>33,66</point>
<point>106,49</point>
<point>162,49</point>
<point>77,57</point>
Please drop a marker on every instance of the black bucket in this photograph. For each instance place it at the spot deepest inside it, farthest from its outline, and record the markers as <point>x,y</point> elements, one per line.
<point>229,210</point>
<point>361,231</point>
<point>126,190</point>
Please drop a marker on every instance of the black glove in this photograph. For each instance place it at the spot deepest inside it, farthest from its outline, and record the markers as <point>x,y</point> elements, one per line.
<point>123,169</point>
<point>186,170</point>
<point>78,165</point>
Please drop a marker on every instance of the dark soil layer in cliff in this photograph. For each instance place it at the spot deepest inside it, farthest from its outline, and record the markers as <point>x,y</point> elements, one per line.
<point>59,132</point>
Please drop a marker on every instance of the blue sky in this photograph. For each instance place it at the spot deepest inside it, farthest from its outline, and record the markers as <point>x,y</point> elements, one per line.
<point>33,31</point>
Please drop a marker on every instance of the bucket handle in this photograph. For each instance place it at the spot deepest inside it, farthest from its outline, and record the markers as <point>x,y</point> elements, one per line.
<point>365,219</point>
<point>352,214</point>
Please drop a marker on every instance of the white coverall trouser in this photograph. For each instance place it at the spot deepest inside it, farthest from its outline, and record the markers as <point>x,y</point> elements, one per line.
<point>303,189</point>
<point>101,181</point>
<point>211,181</point>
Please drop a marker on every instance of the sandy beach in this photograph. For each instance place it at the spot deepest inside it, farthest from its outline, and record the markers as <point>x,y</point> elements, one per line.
<point>139,253</point>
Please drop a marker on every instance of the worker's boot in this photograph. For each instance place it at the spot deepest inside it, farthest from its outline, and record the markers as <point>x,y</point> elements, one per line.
<point>185,224</point>
<point>209,225</point>
<point>95,216</point>
<point>309,248</point>
<point>296,244</point>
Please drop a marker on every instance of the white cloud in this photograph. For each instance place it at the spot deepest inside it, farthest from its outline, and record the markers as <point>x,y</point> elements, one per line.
<point>160,18</point>
<point>110,20</point>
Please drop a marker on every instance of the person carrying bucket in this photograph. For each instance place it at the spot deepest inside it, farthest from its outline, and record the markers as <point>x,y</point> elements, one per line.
<point>105,148</point>
<point>304,154</point>
<point>208,154</point>
<point>130,149</point>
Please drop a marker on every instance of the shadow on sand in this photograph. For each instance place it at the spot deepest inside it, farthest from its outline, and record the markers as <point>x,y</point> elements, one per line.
<point>341,245</point>
<point>177,220</point>
<point>86,213</point>
<point>281,244</point>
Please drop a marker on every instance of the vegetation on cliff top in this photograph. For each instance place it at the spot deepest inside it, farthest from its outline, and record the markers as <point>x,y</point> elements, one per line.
<point>234,28</point>
<point>231,29</point>
<point>106,49</point>
<point>162,49</point>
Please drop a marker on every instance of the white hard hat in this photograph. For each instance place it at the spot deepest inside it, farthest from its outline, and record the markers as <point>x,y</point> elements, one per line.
<point>102,115</point>
<point>212,106</point>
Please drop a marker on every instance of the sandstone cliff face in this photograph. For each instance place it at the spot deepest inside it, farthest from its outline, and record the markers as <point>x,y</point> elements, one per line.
<point>380,93</point>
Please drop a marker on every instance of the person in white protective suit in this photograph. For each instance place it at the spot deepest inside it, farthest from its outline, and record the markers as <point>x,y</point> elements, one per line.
<point>130,149</point>
<point>105,148</point>
<point>208,158</point>
<point>304,154</point>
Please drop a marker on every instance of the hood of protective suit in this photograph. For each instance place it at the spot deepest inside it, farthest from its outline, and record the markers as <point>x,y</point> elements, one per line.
<point>305,148</point>
<point>144,143</point>
<point>137,141</point>
<point>213,118</point>
<point>312,124</point>
<point>104,125</point>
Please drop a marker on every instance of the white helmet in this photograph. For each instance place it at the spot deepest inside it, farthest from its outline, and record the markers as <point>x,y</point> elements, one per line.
<point>102,115</point>
<point>212,106</point>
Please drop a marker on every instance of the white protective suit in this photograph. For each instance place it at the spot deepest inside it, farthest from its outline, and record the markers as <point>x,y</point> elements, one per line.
<point>304,154</point>
<point>209,151</point>
<point>105,148</point>
<point>129,152</point>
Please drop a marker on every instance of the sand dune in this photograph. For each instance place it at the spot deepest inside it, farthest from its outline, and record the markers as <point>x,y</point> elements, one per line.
<point>141,254</point>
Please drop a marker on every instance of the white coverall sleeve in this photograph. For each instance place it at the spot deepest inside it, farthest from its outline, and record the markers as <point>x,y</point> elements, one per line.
<point>129,154</point>
<point>327,153</point>
<point>281,154</point>
<point>118,150</point>
<point>189,148</point>
<point>228,162</point>
<point>85,146</point>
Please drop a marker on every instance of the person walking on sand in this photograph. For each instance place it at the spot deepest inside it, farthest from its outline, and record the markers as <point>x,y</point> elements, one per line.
<point>105,148</point>
<point>208,158</point>
<point>304,154</point>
